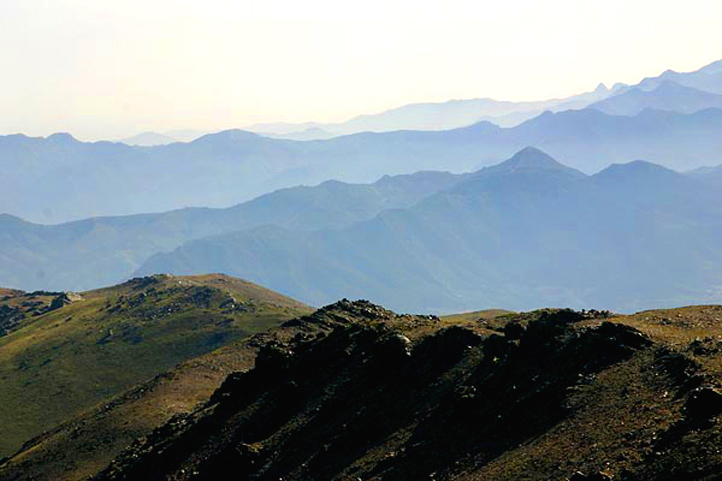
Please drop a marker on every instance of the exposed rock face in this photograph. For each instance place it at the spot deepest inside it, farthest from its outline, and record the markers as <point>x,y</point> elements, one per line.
<point>18,306</point>
<point>10,317</point>
<point>63,299</point>
<point>366,402</point>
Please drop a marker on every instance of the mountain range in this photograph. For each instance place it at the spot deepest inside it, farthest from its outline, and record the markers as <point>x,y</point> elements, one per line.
<point>707,78</point>
<point>354,390</point>
<point>100,251</point>
<point>441,115</point>
<point>58,178</point>
<point>427,239</point>
<point>524,233</point>
<point>667,95</point>
<point>510,243</point>
<point>460,113</point>
<point>672,120</point>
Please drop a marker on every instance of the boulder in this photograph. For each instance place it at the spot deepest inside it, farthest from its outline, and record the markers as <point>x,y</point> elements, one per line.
<point>703,403</point>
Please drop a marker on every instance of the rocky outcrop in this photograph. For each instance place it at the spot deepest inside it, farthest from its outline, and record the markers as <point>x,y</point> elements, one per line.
<point>366,402</point>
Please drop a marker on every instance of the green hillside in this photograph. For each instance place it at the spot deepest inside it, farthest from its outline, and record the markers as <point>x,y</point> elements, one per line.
<point>93,345</point>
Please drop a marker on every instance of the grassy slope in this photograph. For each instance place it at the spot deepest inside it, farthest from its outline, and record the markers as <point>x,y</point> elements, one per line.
<point>69,359</point>
<point>621,417</point>
<point>475,317</point>
<point>83,446</point>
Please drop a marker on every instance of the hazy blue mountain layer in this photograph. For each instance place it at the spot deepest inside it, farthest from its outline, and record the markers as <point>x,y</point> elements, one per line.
<point>58,178</point>
<point>527,233</point>
<point>667,96</point>
<point>101,251</point>
<point>708,78</point>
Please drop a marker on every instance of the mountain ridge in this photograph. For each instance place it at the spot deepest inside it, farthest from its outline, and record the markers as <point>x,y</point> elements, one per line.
<point>576,395</point>
<point>65,352</point>
<point>225,169</point>
<point>668,95</point>
<point>518,238</point>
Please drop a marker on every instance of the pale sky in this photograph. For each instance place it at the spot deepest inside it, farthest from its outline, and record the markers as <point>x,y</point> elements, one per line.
<point>106,69</point>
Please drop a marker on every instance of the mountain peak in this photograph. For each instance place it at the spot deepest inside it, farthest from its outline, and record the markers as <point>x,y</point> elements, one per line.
<point>640,169</point>
<point>529,162</point>
<point>228,135</point>
<point>601,88</point>
<point>63,137</point>
<point>530,158</point>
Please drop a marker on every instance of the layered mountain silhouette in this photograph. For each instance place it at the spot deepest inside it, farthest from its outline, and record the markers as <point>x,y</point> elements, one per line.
<point>58,178</point>
<point>437,115</point>
<point>708,78</point>
<point>525,233</point>
<point>149,139</point>
<point>667,95</point>
<point>104,250</point>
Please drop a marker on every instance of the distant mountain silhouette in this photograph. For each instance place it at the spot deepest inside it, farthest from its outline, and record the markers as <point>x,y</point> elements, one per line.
<point>526,233</point>
<point>311,133</point>
<point>152,139</point>
<point>103,250</point>
<point>708,78</point>
<point>667,95</point>
<point>440,115</point>
<point>58,178</point>
<point>148,139</point>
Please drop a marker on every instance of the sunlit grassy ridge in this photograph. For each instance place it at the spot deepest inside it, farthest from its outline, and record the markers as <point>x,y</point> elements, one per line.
<point>68,359</point>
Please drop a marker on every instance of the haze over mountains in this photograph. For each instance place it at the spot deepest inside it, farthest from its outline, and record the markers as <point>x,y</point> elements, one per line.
<point>101,251</point>
<point>525,233</point>
<point>706,78</point>
<point>387,226</point>
<point>150,139</point>
<point>441,115</point>
<point>59,178</point>
<point>609,201</point>
<point>461,113</point>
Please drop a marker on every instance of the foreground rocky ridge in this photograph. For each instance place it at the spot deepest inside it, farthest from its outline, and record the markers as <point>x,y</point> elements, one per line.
<point>83,446</point>
<point>553,394</point>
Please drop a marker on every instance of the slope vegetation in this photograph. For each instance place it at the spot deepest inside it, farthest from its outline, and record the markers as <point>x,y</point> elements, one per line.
<point>85,445</point>
<point>71,351</point>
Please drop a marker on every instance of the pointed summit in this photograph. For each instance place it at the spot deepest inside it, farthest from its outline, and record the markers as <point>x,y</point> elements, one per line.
<point>531,159</point>
<point>528,170</point>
